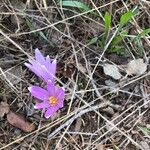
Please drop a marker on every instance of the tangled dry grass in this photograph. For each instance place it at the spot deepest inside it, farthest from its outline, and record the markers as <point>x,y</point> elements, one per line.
<point>99,112</point>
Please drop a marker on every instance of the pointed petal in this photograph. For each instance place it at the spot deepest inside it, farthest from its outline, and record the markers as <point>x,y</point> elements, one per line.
<point>38,92</point>
<point>53,67</point>
<point>39,70</point>
<point>50,68</point>
<point>42,66</point>
<point>50,111</point>
<point>54,61</point>
<point>48,62</point>
<point>45,74</point>
<point>28,66</point>
<point>32,61</point>
<point>51,88</point>
<point>60,96</point>
<point>39,57</point>
<point>33,69</point>
<point>44,104</point>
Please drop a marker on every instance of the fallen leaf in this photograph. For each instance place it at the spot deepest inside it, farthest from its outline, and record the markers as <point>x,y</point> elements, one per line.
<point>4,109</point>
<point>112,70</point>
<point>100,147</point>
<point>14,75</point>
<point>78,125</point>
<point>145,145</point>
<point>109,111</point>
<point>136,67</point>
<point>81,68</point>
<point>111,83</point>
<point>20,122</point>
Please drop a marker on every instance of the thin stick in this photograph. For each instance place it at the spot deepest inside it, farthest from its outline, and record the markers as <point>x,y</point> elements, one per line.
<point>82,112</point>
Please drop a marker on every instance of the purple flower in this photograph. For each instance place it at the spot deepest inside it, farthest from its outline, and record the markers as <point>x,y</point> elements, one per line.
<point>51,99</point>
<point>43,67</point>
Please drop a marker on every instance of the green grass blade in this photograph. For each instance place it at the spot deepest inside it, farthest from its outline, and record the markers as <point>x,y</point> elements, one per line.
<point>125,18</point>
<point>107,20</point>
<point>93,41</point>
<point>119,38</point>
<point>144,32</point>
<point>31,27</point>
<point>146,131</point>
<point>75,4</point>
<point>116,49</point>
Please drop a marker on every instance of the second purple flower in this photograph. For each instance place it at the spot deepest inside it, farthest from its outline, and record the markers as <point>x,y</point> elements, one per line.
<point>43,67</point>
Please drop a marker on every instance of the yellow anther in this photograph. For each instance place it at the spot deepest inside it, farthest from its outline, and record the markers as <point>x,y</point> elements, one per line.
<point>53,100</point>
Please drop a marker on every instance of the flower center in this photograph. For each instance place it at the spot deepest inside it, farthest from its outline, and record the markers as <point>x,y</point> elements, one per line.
<point>53,100</point>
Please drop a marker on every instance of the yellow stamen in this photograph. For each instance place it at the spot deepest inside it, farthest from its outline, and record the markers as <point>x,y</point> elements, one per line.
<point>53,100</point>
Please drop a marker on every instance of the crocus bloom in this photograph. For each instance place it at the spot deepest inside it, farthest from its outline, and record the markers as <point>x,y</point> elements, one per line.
<point>43,67</point>
<point>51,99</point>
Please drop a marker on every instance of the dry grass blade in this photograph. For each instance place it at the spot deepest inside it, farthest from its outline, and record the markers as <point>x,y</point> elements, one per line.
<point>82,112</point>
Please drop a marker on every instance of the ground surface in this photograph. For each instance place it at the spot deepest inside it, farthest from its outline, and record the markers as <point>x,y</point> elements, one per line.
<point>99,112</point>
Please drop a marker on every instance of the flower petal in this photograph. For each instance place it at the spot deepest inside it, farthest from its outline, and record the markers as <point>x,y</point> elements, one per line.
<point>39,70</point>
<point>51,88</point>
<point>30,67</point>
<point>34,69</point>
<point>61,96</point>
<point>45,74</point>
<point>51,111</point>
<point>48,62</point>
<point>44,104</point>
<point>53,67</point>
<point>38,92</point>
<point>39,57</point>
<point>42,67</point>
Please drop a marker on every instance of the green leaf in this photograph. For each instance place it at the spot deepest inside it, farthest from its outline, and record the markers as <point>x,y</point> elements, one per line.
<point>43,36</point>
<point>101,42</point>
<point>107,20</point>
<point>29,24</point>
<point>119,38</point>
<point>75,4</point>
<point>146,131</point>
<point>125,18</point>
<point>116,40</point>
<point>124,33</point>
<point>144,32</point>
<point>138,44</point>
<point>116,49</point>
<point>93,41</point>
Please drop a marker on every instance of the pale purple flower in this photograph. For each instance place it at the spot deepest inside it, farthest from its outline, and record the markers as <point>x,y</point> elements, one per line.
<point>51,99</point>
<point>42,66</point>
